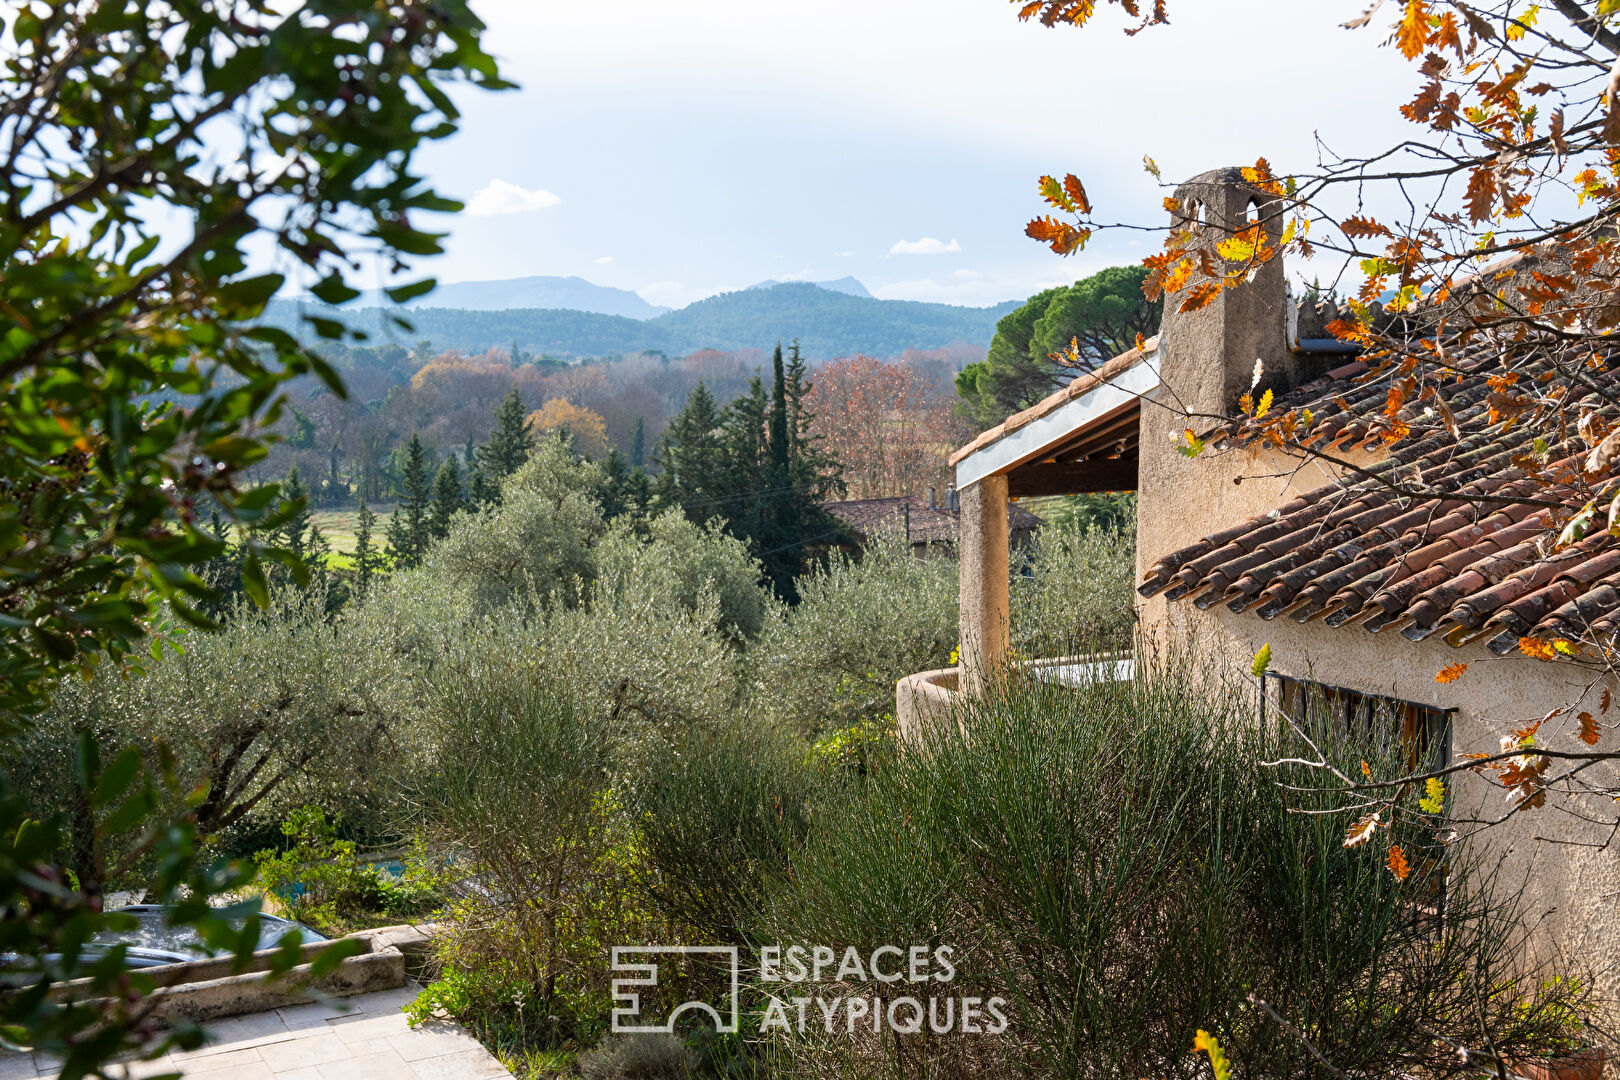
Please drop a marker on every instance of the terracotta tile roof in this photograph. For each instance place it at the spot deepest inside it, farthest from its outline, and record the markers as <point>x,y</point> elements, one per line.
<point>1080,385</point>
<point>869,517</point>
<point>1355,553</point>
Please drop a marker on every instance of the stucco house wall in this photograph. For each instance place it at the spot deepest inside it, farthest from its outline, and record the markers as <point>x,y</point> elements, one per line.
<point>1570,883</point>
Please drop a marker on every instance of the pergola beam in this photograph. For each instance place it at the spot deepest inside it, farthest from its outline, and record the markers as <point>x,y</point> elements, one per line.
<point>1072,478</point>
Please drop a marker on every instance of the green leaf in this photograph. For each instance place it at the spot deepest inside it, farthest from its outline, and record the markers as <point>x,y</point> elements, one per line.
<point>116,778</point>
<point>332,289</point>
<point>133,811</point>
<point>1262,661</point>
<point>253,580</point>
<point>403,293</point>
<point>251,292</point>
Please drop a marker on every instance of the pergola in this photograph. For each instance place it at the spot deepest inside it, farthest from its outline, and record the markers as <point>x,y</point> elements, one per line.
<point>1084,438</point>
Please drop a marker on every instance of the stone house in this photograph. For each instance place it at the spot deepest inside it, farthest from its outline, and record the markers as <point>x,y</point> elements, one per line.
<point>1363,597</point>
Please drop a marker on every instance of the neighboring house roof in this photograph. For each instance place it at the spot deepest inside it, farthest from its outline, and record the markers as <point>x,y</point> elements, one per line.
<point>869,517</point>
<point>1357,553</point>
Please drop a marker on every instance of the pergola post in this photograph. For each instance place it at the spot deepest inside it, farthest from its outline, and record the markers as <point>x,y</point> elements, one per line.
<point>985,571</point>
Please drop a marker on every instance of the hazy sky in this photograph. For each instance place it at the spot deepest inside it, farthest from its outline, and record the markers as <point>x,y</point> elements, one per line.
<point>686,147</point>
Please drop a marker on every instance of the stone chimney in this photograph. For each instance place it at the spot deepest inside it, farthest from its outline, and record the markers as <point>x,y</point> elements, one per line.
<point>933,498</point>
<point>1206,357</point>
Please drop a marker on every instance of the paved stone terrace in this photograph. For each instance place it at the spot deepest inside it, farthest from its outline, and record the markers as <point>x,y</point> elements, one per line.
<point>369,1041</point>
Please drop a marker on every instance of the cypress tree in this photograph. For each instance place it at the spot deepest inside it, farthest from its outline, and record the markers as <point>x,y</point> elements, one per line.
<point>408,535</point>
<point>447,499</point>
<point>638,443</point>
<point>779,419</point>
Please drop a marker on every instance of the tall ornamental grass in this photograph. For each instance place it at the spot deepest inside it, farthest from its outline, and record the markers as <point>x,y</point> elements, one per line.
<point>1117,862</point>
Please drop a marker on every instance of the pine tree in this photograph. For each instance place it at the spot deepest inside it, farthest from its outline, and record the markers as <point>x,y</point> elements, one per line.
<point>690,457</point>
<point>638,444</point>
<point>483,491</point>
<point>408,535</point>
<point>747,483</point>
<point>510,443</point>
<point>293,534</point>
<point>447,499</point>
<point>366,559</point>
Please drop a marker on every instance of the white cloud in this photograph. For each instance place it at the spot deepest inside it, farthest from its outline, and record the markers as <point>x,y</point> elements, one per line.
<point>926,246</point>
<point>964,275</point>
<point>844,254</point>
<point>501,197</point>
<point>603,261</point>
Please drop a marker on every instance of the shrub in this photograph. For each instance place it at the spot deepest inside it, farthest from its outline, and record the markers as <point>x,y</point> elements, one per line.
<point>1116,864</point>
<point>517,794</point>
<point>718,810</point>
<point>639,1057</point>
<point>319,879</point>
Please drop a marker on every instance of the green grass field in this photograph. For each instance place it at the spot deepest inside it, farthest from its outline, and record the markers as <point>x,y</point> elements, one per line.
<point>338,527</point>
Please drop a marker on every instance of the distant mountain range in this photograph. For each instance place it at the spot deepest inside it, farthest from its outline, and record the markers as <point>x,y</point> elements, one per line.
<point>572,293</point>
<point>846,285</point>
<point>829,320</point>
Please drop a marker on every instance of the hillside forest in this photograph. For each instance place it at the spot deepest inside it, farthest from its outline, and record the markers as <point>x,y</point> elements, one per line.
<point>891,419</point>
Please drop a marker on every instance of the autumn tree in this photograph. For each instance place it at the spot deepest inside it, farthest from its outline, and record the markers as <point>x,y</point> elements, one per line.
<point>891,427</point>
<point>586,428</point>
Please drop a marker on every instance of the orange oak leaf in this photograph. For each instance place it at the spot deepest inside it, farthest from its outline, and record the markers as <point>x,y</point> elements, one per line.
<point>1481,193</point>
<point>1591,730</point>
<point>1397,863</point>
<point>1536,649</point>
<point>1414,29</point>
<point>1450,673</point>
<point>1077,192</point>
<point>1362,831</point>
<point>1363,226</point>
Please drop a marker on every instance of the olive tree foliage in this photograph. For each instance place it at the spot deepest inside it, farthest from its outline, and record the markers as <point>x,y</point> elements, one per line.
<point>1076,596</point>
<point>279,709</point>
<point>536,541</point>
<point>145,148</point>
<point>684,564</point>
<point>832,660</point>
